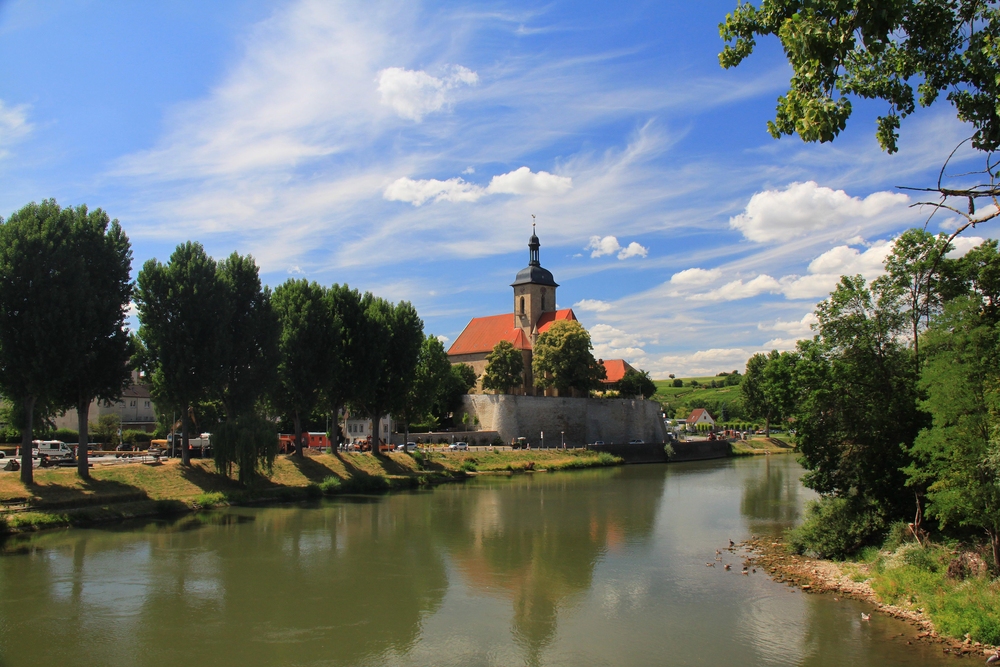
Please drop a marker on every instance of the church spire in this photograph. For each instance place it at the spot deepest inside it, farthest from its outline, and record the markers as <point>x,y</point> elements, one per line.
<point>533,246</point>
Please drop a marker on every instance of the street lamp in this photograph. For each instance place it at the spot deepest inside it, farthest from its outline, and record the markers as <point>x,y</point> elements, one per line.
<point>562,436</point>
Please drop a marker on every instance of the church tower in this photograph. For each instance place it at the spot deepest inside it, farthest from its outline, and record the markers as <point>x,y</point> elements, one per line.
<point>534,291</point>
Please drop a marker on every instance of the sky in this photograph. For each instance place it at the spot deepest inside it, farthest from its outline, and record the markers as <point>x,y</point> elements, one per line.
<point>404,148</point>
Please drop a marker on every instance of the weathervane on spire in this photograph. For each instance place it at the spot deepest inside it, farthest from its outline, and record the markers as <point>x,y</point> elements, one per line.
<point>532,223</point>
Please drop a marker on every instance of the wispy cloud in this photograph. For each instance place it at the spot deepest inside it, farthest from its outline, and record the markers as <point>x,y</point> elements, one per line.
<point>413,94</point>
<point>14,126</point>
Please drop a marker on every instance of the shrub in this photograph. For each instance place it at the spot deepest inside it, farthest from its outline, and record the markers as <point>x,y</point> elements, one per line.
<point>468,466</point>
<point>418,456</point>
<point>207,500</point>
<point>668,449</point>
<point>836,528</point>
<point>137,437</point>
<point>331,485</point>
<point>65,434</point>
<point>677,382</point>
<point>606,459</point>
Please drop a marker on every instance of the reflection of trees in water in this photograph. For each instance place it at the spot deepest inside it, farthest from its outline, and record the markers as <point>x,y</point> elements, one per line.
<point>771,497</point>
<point>335,587</point>
<point>538,538</point>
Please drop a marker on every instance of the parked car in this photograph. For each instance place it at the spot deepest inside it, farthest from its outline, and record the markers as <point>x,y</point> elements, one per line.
<point>459,445</point>
<point>598,442</point>
<point>635,442</point>
<point>50,449</point>
<point>408,447</point>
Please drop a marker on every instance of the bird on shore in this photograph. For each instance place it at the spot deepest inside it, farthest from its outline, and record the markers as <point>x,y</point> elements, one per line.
<point>732,544</point>
<point>718,553</point>
<point>709,564</point>
<point>866,617</point>
<point>993,658</point>
<point>726,566</point>
<point>745,573</point>
<point>755,570</point>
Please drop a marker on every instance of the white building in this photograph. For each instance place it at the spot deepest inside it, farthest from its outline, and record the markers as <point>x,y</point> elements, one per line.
<point>357,428</point>
<point>699,416</point>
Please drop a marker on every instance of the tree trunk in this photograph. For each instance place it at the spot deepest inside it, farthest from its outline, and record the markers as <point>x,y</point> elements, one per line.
<point>298,434</point>
<point>376,433</point>
<point>82,453</point>
<point>185,439</point>
<point>27,471</point>
<point>995,545</point>
<point>767,427</point>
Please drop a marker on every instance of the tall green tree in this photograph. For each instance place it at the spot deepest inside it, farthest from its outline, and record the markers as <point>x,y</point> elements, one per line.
<point>953,459</point>
<point>754,392</point>
<point>394,336</point>
<point>249,336</point>
<point>460,380</point>
<point>39,294</point>
<point>182,307</point>
<point>96,330</point>
<point>857,408</point>
<point>348,363</point>
<point>504,368</point>
<point>430,380</point>
<point>309,335</point>
<point>914,267</point>
<point>563,358</point>
<point>249,359</point>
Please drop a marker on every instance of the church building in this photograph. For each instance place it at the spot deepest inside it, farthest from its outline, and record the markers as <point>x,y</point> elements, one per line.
<point>534,312</point>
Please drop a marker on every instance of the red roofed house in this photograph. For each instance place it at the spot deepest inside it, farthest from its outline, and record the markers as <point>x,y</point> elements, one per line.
<point>534,312</point>
<point>699,416</point>
<point>615,370</point>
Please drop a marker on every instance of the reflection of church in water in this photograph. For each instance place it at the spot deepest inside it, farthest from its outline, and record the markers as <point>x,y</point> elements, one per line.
<point>535,311</point>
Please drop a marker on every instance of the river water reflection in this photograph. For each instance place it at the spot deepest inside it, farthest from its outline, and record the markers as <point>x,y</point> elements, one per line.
<point>596,567</point>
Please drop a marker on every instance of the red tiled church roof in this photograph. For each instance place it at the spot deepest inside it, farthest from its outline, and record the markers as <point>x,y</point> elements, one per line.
<point>615,369</point>
<point>483,333</point>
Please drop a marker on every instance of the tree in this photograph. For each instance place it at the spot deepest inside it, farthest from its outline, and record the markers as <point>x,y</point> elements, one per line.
<point>249,336</point>
<point>393,338</point>
<point>430,380</point>
<point>96,329</point>
<point>504,368</point>
<point>39,294</point>
<point>635,384</point>
<point>901,52</point>
<point>249,361</point>
<point>182,307</point>
<point>460,379</point>
<point>756,399</point>
<point>952,458</point>
<point>857,411</point>
<point>563,358</point>
<point>677,382</point>
<point>306,344</point>
<point>346,308</point>
<point>914,268</point>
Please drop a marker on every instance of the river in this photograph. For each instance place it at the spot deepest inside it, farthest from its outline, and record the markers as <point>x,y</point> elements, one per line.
<point>591,567</point>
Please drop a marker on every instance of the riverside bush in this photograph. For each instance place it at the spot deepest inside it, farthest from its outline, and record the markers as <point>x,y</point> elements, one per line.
<point>835,527</point>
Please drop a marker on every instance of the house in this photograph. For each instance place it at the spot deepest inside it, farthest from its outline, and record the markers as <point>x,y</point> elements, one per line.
<point>699,416</point>
<point>357,427</point>
<point>134,407</point>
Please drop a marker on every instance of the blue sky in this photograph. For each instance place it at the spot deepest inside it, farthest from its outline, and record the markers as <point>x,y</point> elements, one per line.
<point>403,148</point>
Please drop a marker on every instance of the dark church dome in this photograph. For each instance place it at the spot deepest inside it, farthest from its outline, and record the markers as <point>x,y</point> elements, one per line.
<point>534,275</point>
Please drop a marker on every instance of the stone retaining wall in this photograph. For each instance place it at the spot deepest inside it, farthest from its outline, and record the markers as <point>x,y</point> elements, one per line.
<point>575,421</point>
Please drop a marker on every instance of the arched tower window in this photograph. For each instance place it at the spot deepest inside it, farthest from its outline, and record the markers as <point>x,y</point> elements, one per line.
<point>543,301</point>
<point>522,305</point>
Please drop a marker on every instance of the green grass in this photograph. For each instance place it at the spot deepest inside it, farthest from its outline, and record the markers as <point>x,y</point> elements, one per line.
<point>917,577</point>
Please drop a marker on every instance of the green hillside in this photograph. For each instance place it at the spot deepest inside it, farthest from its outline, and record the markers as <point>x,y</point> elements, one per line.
<point>686,398</point>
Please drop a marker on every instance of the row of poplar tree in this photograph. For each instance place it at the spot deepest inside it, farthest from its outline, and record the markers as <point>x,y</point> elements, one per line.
<point>208,331</point>
<point>896,400</point>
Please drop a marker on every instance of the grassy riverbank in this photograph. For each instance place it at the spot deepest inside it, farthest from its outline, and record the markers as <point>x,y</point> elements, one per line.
<point>122,491</point>
<point>761,446</point>
<point>945,590</point>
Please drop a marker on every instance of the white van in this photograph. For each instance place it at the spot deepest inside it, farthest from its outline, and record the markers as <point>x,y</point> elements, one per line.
<point>50,448</point>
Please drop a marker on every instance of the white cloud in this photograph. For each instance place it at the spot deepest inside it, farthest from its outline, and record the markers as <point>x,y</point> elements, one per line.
<point>738,289</point>
<point>695,277</point>
<point>14,125</point>
<point>805,208</point>
<point>702,362</point>
<point>413,94</point>
<point>801,328</point>
<point>418,192</point>
<point>825,271</point>
<point>612,343</point>
<point>608,245</point>
<point>592,305</point>
<point>443,339</point>
<point>633,250</point>
<point>963,244</point>
<point>523,182</point>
